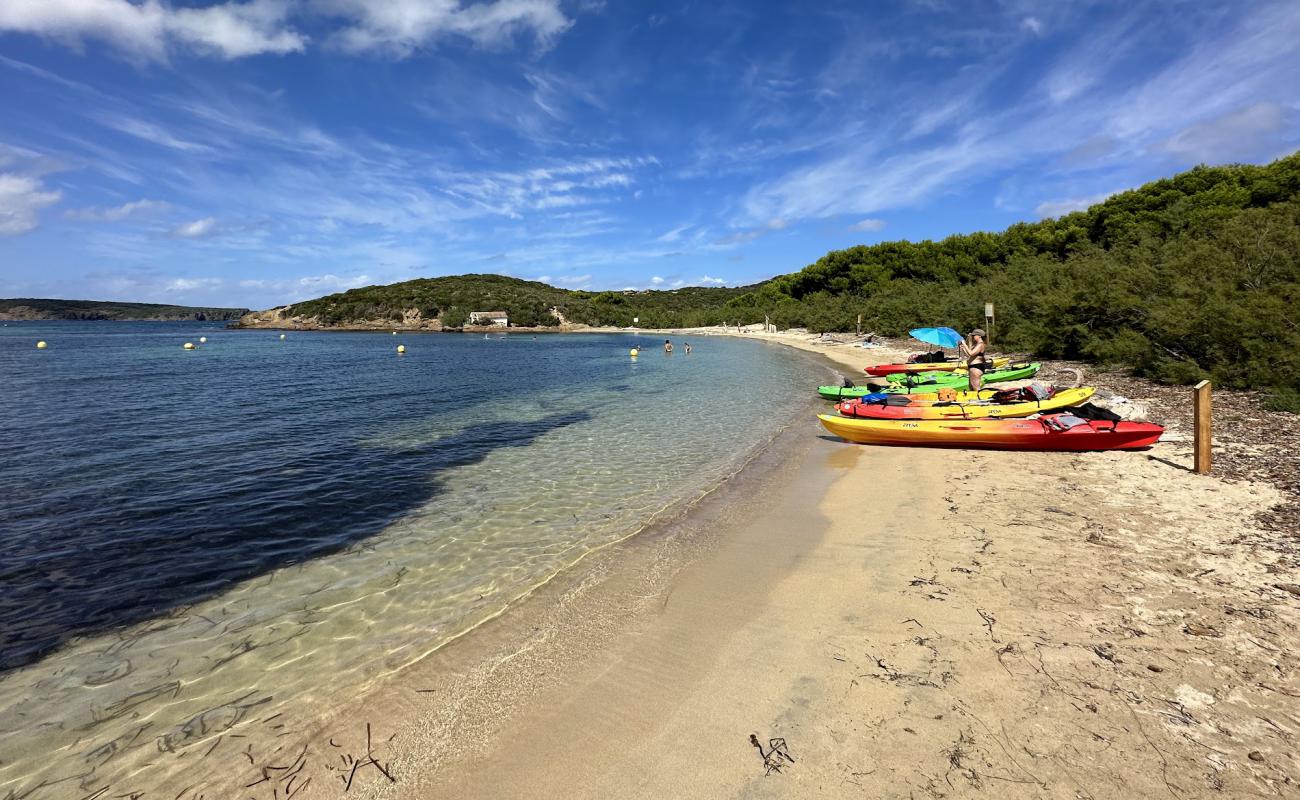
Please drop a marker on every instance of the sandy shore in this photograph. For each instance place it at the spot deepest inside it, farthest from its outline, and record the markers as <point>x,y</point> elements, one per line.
<point>911,623</point>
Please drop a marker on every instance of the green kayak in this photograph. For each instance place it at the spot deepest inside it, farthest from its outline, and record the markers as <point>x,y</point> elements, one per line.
<point>937,380</point>
<point>960,381</point>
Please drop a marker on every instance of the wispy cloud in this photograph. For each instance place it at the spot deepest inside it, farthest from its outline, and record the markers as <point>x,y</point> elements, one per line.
<point>152,30</point>
<point>197,229</point>
<point>575,183</point>
<point>868,224</point>
<point>292,290</point>
<point>1238,134</point>
<point>149,132</point>
<point>401,27</point>
<point>149,30</point>
<point>116,213</point>
<point>21,200</point>
<point>1057,208</point>
<point>1109,105</point>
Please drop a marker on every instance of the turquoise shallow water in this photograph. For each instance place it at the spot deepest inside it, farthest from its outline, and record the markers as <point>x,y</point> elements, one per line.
<point>188,535</point>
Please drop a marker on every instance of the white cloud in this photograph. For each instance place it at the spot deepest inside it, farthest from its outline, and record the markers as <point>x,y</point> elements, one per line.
<point>293,290</point>
<point>149,131</point>
<point>149,29</point>
<point>1240,134</point>
<point>1058,208</point>
<point>572,281</point>
<point>868,225</point>
<point>196,229</point>
<point>576,183</point>
<point>401,27</point>
<point>236,30</point>
<point>21,198</point>
<point>116,213</point>
<point>705,280</point>
<point>1232,67</point>
<point>674,234</point>
<point>193,284</point>
<point>1032,24</point>
<point>657,281</point>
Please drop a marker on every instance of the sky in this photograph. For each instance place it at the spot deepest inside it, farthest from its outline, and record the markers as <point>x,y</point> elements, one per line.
<point>257,153</point>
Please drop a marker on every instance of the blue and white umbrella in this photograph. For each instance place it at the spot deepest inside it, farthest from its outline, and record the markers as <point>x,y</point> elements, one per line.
<point>939,337</point>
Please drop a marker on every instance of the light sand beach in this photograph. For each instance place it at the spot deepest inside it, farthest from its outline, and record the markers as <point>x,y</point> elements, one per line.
<point>911,623</point>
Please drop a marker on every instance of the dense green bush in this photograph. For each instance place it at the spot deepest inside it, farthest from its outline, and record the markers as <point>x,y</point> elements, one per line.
<point>1190,277</point>
<point>1283,399</point>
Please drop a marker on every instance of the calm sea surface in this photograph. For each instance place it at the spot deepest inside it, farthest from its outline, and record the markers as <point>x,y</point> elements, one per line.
<point>188,535</point>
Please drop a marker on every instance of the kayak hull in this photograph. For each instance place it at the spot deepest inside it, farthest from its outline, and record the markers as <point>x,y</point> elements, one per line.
<point>926,409</point>
<point>960,381</point>
<point>995,434</point>
<point>883,370</point>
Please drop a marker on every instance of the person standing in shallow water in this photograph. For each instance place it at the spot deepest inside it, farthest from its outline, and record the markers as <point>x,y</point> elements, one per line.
<point>668,346</point>
<point>977,358</point>
<point>687,347</point>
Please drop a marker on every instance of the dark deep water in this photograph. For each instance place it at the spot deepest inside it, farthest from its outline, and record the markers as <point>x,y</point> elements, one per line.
<point>138,477</point>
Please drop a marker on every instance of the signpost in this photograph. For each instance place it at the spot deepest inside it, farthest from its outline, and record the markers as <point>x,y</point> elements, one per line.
<point>1201,411</point>
<point>988,320</point>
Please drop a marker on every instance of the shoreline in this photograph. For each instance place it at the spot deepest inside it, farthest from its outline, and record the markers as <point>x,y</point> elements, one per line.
<point>1014,630</point>
<point>613,582</point>
<point>859,603</point>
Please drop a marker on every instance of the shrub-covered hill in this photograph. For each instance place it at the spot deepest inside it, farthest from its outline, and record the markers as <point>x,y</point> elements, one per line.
<point>528,303</point>
<point>33,308</point>
<point>1192,276</point>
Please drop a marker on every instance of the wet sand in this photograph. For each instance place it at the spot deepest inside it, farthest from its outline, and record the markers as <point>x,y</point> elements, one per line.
<point>912,623</point>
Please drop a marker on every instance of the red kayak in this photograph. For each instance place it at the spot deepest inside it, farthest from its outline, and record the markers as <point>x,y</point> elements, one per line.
<point>947,365</point>
<point>881,370</point>
<point>1049,432</point>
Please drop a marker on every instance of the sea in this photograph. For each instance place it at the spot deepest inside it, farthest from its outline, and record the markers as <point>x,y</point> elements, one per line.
<point>191,538</point>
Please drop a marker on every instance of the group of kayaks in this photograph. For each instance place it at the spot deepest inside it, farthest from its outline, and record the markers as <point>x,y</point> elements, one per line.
<point>930,404</point>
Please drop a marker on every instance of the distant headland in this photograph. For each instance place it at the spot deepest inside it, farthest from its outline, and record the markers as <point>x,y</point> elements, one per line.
<point>26,308</point>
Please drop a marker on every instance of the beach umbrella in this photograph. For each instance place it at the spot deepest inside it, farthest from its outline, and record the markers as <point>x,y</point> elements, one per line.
<point>939,337</point>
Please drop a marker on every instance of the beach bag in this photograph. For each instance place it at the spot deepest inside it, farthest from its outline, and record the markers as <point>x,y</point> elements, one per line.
<point>928,358</point>
<point>1063,422</point>
<point>1033,393</point>
<point>1037,391</point>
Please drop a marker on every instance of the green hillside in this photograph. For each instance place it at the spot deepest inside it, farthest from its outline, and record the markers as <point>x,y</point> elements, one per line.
<point>526,302</point>
<point>33,308</point>
<point>1193,276</point>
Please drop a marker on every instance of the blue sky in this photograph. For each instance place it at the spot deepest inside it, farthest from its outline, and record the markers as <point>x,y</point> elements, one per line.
<point>256,153</point>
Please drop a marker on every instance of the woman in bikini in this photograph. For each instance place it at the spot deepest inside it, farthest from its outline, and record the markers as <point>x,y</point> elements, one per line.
<point>977,359</point>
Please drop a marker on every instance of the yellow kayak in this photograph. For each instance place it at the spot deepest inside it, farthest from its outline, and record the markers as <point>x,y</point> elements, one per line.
<point>896,408</point>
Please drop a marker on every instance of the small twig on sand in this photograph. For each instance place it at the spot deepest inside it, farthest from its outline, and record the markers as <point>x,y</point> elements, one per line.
<point>989,622</point>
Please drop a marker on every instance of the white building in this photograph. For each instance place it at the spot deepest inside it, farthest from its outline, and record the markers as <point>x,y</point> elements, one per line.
<point>497,318</point>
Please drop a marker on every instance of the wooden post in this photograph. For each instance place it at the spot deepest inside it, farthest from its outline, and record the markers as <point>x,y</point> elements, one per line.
<point>859,324</point>
<point>988,320</point>
<point>1201,410</point>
